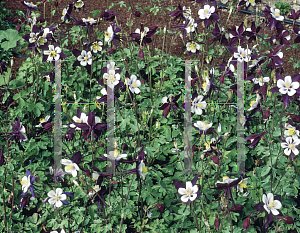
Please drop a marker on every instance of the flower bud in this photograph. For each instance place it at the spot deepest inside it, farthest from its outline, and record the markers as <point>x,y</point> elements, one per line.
<point>230,94</point>
<point>137,13</point>
<point>157,124</point>
<point>246,223</point>
<point>268,92</point>
<point>217,222</point>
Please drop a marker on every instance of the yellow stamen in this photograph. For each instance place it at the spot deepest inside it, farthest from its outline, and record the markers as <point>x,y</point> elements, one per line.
<point>69,167</point>
<point>291,132</point>
<point>52,54</point>
<point>144,169</point>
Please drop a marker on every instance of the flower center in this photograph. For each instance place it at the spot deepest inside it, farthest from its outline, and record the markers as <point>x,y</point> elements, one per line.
<point>188,192</point>
<point>271,204</point>
<point>116,153</point>
<point>42,120</point>
<point>243,185</point>
<point>34,38</point>
<point>292,146</point>
<point>192,46</point>
<point>24,182</point>
<point>204,85</point>
<point>134,84</point>
<point>261,80</point>
<point>85,58</point>
<point>251,1</point>
<point>56,198</point>
<point>205,12</point>
<point>41,40</point>
<point>79,4</point>
<point>48,78</point>
<point>199,105</point>
<point>111,78</point>
<point>96,47</point>
<point>144,169</point>
<point>207,145</point>
<point>107,35</point>
<point>52,54</point>
<point>225,178</point>
<point>277,13</point>
<point>69,167</point>
<point>243,54</point>
<point>287,85</point>
<point>252,102</point>
<point>143,33</point>
<point>291,132</point>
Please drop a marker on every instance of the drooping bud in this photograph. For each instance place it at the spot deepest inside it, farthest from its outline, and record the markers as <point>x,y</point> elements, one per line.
<point>246,223</point>
<point>217,222</point>
<point>137,13</point>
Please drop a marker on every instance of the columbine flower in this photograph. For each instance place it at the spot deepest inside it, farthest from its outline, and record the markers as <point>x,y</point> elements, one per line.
<point>18,132</point>
<point>287,86</point>
<point>96,46</point>
<point>276,14</point>
<point>95,176</point>
<point>79,4</point>
<point>187,13</point>
<point>30,6</point>
<point>206,85</point>
<point>192,47</point>
<point>142,169</point>
<point>109,34</point>
<point>133,84</point>
<point>64,12</point>
<point>191,26</point>
<point>53,53</point>
<point>143,33</point>
<point>42,120</point>
<point>81,119</point>
<point>71,167</point>
<point>290,146</point>
<point>206,12</point>
<point>92,125</point>
<point>33,37</point>
<point>188,193</point>
<point>243,54</point>
<point>27,183</point>
<point>112,78</point>
<point>89,20</point>
<point>175,150</point>
<point>203,125</point>
<point>261,80</point>
<point>254,103</point>
<point>117,155</point>
<point>270,204</point>
<point>85,58</point>
<point>198,105</point>
<point>169,103</point>
<point>242,185</point>
<point>188,190</point>
<point>57,198</point>
<point>292,132</point>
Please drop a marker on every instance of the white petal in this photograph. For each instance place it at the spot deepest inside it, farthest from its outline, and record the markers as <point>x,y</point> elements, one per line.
<point>287,151</point>
<point>185,198</point>
<point>51,193</point>
<point>181,191</point>
<point>66,162</point>
<point>58,204</point>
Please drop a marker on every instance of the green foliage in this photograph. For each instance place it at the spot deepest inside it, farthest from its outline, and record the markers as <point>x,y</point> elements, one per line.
<point>284,7</point>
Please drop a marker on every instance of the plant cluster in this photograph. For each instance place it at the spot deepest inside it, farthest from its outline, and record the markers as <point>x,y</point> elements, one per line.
<point>60,171</point>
